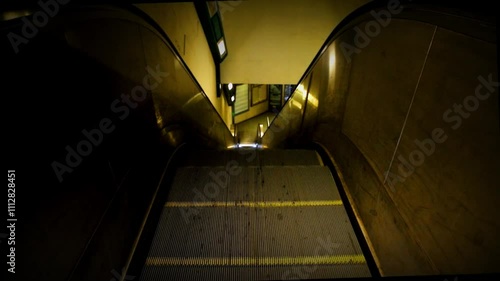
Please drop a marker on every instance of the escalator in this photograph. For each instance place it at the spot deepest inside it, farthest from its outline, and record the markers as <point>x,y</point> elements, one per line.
<point>254,215</point>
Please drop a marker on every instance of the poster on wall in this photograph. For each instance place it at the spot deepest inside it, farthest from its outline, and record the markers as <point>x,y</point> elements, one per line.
<point>241,103</point>
<point>259,94</point>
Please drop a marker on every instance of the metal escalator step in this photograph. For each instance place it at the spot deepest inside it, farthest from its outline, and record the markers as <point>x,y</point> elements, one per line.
<point>235,236</point>
<point>256,261</point>
<point>200,184</point>
<point>303,272</point>
<point>253,204</point>
<point>300,183</point>
<point>259,220</point>
<point>191,233</point>
<point>265,226</point>
<point>305,231</point>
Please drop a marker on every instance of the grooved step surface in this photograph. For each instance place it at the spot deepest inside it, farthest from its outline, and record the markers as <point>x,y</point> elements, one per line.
<point>303,272</point>
<point>254,222</point>
<point>267,183</point>
<point>254,232</point>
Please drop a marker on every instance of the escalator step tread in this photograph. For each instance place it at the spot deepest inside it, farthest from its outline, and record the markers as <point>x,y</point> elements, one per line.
<point>272,217</point>
<point>255,236</point>
<point>157,273</point>
<point>254,232</point>
<point>253,183</point>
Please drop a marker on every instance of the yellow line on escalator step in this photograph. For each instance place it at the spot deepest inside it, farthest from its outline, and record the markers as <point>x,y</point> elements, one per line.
<point>253,204</point>
<point>252,261</point>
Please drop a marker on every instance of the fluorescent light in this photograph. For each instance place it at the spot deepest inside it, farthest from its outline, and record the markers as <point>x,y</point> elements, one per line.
<point>246,145</point>
<point>222,47</point>
<point>254,145</point>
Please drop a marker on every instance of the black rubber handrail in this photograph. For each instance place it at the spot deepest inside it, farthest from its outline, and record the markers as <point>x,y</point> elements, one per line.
<point>327,160</point>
